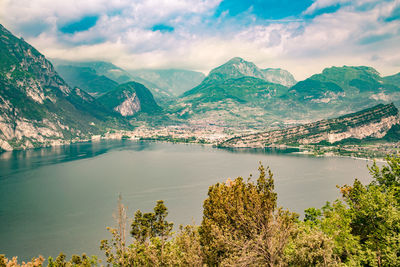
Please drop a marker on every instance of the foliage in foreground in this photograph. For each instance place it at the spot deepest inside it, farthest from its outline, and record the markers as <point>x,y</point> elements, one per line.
<point>242,226</point>
<point>60,261</point>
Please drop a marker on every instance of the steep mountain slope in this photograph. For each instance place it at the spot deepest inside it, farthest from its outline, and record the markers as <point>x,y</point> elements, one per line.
<point>36,106</point>
<point>176,81</point>
<point>374,122</point>
<point>86,78</point>
<point>130,98</point>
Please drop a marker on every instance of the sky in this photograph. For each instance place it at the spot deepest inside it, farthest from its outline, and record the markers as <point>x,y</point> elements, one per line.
<point>302,36</point>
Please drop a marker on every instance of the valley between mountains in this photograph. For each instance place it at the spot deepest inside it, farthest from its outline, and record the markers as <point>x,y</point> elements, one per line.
<point>348,110</point>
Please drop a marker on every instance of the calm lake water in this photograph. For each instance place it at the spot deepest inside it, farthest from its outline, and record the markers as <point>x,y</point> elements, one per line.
<point>62,198</point>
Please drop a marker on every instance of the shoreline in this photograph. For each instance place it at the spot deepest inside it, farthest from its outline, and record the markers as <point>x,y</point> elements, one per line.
<point>195,141</point>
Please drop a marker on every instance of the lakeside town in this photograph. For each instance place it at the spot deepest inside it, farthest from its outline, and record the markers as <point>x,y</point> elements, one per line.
<point>213,135</point>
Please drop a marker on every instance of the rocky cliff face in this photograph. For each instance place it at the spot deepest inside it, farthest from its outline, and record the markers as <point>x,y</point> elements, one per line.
<point>374,122</point>
<point>36,106</point>
<point>129,106</point>
<point>130,98</point>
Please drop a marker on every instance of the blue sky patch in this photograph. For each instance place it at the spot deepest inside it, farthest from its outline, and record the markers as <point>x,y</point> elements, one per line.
<point>395,15</point>
<point>83,24</point>
<point>374,38</point>
<point>325,10</point>
<point>162,28</point>
<point>264,9</point>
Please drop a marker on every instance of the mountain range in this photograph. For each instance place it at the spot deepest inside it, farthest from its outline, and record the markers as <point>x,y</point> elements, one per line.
<point>175,81</point>
<point>42,105</point>
<point>96,76</point>
<point>238,91</point>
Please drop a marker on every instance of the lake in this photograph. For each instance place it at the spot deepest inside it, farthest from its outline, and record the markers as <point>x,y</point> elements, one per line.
<point>62,198</point>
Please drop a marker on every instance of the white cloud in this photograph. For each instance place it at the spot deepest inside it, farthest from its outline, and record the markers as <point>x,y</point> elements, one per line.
<point>304,47</point>
<point>320,4</point>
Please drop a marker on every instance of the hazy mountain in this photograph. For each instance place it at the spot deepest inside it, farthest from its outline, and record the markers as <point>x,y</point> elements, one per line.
<point>130,98</point>
<point>373,123</point>
<point>87,79</point>
<point>37,106</point>
<point>119,75</point>
<point>176,81</point>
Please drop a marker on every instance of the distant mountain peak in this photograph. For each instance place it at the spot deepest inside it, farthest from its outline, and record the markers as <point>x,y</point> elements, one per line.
<point>238,67</point>
<point>236,60</point>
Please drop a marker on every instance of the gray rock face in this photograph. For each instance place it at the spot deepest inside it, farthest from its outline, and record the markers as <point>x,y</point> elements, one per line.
<point>129,106</point>
<point>279,76</point>
<point>129,98</point>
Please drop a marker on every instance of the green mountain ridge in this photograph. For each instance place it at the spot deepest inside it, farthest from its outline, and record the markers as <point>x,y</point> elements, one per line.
<point>336,91</point>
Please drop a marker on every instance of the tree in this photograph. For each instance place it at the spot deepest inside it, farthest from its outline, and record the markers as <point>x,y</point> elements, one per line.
<point>388,175</point>
<point>76,261</point>
<point>150,232</point>
<point>5,262</point>
<point>116,250</point>
<point>186,248</point>
<point>309,246</point>
<point>376,221</point>
<point>153,227</point>
<point>242,225</point>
